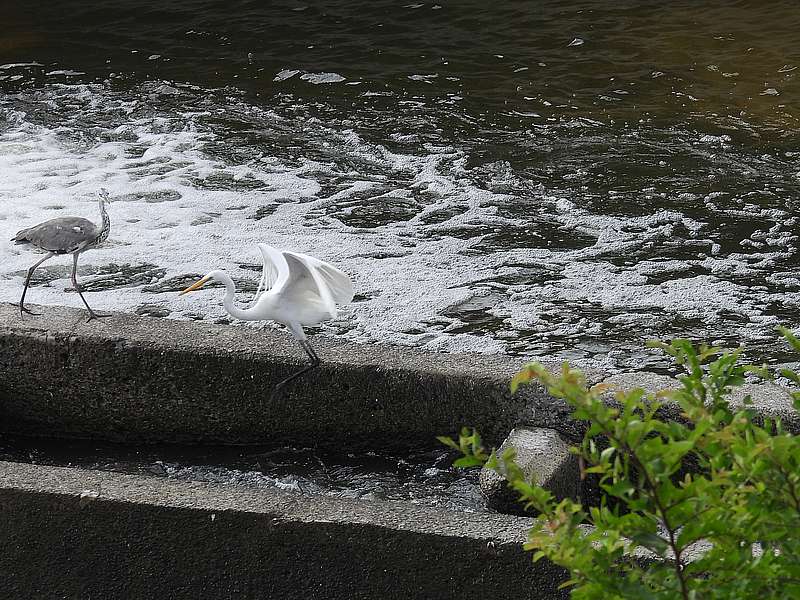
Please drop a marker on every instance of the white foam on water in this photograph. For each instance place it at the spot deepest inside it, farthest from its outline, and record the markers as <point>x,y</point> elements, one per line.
<point>285,74</point>
<point>320,78</point>
<point>67,72</point>
<point>20,65</point>
<point>418,257</point>
<point>45,172</point>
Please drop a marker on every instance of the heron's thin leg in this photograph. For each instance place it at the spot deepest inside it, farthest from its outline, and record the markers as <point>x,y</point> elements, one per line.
<point>315,362</point>
<point>92,314</point>
<point>22,308</point>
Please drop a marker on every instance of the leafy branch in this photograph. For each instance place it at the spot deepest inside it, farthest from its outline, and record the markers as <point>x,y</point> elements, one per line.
<point>706,505</point>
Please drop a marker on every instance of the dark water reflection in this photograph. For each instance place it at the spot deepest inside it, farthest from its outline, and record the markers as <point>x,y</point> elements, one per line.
<point>519,61</point>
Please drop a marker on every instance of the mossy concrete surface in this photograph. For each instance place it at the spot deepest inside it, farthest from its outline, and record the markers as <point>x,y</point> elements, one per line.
<point>70,533</point>
<point>138,379</point>
<point>130,378</point>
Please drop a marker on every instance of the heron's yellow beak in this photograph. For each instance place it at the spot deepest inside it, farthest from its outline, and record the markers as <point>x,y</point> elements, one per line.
<point>195,286</point>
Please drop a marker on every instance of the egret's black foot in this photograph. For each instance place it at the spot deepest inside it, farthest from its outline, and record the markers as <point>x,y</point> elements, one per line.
<point>93,315</point>
<point>28,311</point>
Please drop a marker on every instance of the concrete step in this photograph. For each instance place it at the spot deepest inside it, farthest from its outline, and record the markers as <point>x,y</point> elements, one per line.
<point>70,533</point>
<point>129,378</point>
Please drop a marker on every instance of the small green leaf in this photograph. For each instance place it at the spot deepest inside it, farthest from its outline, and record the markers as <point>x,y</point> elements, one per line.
<point>448,441</point>
<point>468,461</point>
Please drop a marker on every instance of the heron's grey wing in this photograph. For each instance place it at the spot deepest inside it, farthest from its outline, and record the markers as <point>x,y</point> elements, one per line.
<point>338,282</point>
<point>275,271</point>
<point>61,235</point>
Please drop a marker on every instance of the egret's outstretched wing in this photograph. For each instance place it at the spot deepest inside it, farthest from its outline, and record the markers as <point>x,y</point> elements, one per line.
<point>338,282</point>
<point>275,271</point>
<point>310,280</point>
<point>305,284</point>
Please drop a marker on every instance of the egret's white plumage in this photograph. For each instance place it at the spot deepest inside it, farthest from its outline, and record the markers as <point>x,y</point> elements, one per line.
<point>299,288</point>
<point>295,289</point>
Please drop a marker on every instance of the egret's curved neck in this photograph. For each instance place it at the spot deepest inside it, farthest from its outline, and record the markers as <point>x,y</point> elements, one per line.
<point>230,293</point>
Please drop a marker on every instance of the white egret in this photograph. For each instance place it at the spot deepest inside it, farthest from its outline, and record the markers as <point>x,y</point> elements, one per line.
<point>65,235</point>
<point>298,290</point>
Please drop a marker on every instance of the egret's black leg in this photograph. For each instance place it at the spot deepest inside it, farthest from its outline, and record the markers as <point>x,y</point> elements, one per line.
<point>315,362</point>
<point>22,308</point>
<point>310,350</point>
<point>92,314</point>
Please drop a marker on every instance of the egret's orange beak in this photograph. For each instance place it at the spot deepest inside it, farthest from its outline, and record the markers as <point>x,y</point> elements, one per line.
<point>195,286</point>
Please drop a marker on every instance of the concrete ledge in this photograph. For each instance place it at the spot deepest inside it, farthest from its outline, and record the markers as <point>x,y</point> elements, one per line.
<point>129,378</point>
<point>145,537</point>
<point>768,400</point>
<point>544,459</point>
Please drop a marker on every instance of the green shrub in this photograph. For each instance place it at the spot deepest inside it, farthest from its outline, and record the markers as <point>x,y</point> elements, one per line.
<point>705,506</point>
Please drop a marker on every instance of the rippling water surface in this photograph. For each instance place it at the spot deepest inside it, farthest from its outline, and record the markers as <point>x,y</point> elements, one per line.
<point>536,178</point>
<point>422,477</point>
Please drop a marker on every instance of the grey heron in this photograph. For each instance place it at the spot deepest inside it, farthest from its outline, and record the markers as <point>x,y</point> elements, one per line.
<point>65,235</point>
<point>298,290</point>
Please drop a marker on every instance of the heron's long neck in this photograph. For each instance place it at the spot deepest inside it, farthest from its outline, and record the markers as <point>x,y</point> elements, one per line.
<point>227,301</point>
<point>105,228</point>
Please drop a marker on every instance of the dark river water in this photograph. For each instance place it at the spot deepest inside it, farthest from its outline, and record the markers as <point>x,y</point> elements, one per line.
<point>560,179</point>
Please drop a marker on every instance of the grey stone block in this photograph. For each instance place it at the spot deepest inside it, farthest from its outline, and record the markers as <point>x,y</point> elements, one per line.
<point>768,400</point>
<point>544,458</point>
